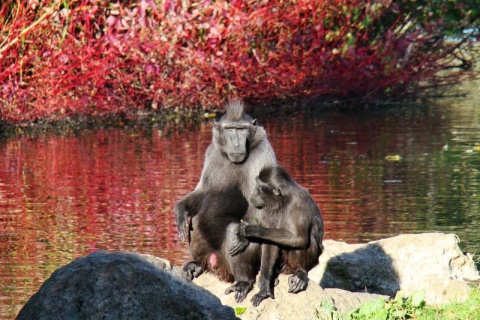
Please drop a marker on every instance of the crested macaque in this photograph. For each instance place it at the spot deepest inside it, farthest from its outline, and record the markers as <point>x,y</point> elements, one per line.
<point>288,226</point>
<point>238,151</point>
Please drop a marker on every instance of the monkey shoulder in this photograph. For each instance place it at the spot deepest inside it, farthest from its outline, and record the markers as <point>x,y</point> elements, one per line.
<point>261,157</point>
<point>304,205</point>
<point>215,161</point>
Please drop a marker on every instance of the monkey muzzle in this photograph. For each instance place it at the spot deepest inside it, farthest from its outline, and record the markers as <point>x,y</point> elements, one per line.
<point>237,157</point>
<point>255,202</point>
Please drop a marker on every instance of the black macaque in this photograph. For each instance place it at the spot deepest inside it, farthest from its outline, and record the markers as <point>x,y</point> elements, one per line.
<point>238,151</point>
<point>289,228</point>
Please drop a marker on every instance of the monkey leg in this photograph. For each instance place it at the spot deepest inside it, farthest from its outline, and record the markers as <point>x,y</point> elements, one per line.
<point>270,255</point>
<point>243,265</point>
<point>201,251</point>
<point>300,262</point>
<point>297,262</point>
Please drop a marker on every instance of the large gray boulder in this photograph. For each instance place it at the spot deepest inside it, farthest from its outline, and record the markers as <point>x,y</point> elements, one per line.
<point>122,286</point>
<point>429,261</point>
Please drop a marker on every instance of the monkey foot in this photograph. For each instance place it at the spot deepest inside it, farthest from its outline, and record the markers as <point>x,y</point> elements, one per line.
<point>192,269</point>
<point>297,282</point>
<point>260,296</point>
<point>241,289</point>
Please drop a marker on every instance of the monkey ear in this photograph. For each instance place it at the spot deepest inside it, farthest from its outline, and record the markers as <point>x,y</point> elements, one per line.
<point>216,124</point>
<point>276,191</point>
<point>254,122</point>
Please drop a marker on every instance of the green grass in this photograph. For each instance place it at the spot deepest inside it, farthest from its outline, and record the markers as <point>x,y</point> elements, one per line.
<point>466,310</point>
<point>413,307</point>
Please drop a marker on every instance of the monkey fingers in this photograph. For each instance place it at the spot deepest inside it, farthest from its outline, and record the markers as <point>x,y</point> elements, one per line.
<point>297,282</point>
<point>238,245</point>
<point>260,296</point>
<point>183,225</point>
<point>241,228</point>
<point>241,289</point>
<point>192,269</point>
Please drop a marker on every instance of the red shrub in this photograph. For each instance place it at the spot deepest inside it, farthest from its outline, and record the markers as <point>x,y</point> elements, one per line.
<point>93,57</point>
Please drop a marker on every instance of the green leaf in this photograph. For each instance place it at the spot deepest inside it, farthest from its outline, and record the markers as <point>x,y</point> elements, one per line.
<point>399,296</point>
<point>381,315</point>
<point>328,306</point>
<point>398,314</point>
<point>418,298</point>
<point>371,307</point>
<point>240,310</point>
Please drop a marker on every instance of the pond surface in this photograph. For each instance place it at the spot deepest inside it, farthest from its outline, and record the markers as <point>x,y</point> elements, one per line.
<point>374,174</point>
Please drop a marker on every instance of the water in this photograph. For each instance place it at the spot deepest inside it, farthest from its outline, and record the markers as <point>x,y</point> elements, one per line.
<point>374,174</point>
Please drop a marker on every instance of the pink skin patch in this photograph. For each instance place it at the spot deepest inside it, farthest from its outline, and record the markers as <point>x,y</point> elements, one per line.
<point>213,260</point>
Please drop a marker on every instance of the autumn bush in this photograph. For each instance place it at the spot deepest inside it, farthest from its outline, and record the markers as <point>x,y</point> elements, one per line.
<point>63,58</point>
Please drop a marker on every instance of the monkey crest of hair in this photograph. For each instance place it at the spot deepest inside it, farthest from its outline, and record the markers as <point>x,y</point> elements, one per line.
<point>235,110</point>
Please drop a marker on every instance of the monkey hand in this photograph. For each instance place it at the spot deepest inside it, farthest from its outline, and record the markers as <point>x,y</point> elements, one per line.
<point>242,228</point>
<point>297,282</point>
<point>247,230</point>
<point>192,269</point>
<point>183,223</point>
<point>239,244</point>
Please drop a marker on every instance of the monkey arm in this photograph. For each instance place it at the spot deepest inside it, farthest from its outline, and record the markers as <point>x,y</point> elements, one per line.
<point>186,208</point>
<point>280,237</point>
<point>189,205</point>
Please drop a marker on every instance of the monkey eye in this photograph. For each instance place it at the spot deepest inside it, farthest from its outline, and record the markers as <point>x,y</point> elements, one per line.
<point>276,191</point>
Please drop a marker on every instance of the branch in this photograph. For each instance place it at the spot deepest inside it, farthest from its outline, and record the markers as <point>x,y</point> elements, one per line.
<point>48,11</point>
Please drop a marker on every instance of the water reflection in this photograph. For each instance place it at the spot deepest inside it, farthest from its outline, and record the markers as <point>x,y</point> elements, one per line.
<point>373,174</point>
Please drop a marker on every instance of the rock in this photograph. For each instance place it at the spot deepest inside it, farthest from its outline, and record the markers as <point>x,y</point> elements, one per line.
<point>303,305</point>
<point>122,286</point>
<point>346,301</point>
<point>430,261</point>
<point>133,286</point>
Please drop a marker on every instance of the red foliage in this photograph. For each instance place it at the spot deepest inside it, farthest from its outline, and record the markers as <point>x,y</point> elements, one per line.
<point>93,57</point>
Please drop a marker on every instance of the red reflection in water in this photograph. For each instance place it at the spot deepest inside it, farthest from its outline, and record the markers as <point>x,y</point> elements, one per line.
<point>64,197</point>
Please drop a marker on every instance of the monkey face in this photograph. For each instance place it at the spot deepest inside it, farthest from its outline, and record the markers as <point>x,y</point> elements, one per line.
<point>234,133</point>
<point>236,138</point>
<point>265,195</point>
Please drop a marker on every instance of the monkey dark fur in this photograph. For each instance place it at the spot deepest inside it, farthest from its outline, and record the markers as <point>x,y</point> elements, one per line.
<point>238,151</point>
<point>289,228</point>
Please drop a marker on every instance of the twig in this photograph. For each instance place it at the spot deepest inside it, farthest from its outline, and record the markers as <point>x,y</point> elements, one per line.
<point>48,12</point>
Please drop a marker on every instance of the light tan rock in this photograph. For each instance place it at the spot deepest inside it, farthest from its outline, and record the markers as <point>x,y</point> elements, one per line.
<point>303,305</point>
<point>432,262</point>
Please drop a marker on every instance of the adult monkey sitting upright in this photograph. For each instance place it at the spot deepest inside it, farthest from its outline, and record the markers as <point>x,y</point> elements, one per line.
<point>239,150</point>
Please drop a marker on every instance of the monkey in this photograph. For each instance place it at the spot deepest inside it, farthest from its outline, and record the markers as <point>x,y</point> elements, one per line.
<point>239,149</point>
<point>289,228</point>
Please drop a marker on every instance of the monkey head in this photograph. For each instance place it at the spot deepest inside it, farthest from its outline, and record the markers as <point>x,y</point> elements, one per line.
<point>271,190</point>
<point>234,132</point>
